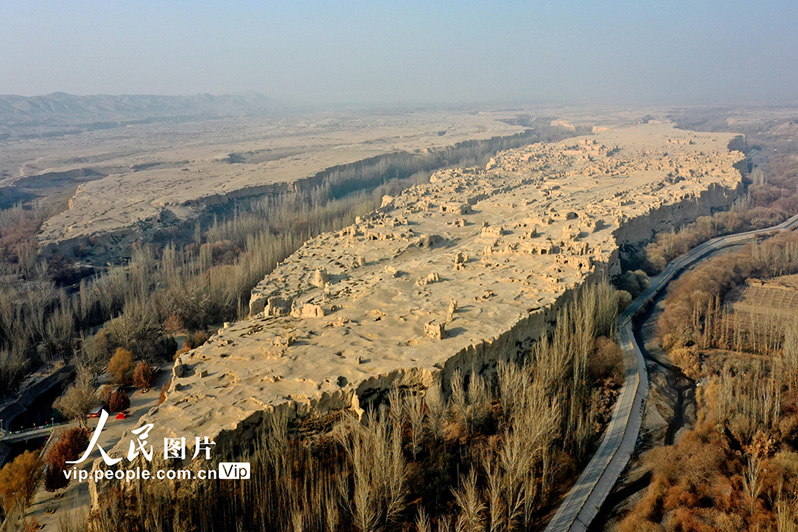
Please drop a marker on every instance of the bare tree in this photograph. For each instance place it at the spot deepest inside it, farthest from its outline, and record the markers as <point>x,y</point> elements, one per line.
<point>379,471</point>
<point>78,400</point>
<point>422,521</point>
<point>467,497</point>
<point>437,407</point>
<point>414,410</point>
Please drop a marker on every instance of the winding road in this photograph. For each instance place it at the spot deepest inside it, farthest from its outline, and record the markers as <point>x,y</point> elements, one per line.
<point>584,500</point>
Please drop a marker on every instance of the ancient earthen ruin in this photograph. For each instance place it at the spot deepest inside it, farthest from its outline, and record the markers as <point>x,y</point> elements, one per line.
<point>456,273</point>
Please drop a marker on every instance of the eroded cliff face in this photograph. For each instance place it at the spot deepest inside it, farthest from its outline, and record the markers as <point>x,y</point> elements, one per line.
<point>455,274</point>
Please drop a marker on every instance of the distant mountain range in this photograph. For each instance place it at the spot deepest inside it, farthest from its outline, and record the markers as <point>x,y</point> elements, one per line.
<point>48,114</point>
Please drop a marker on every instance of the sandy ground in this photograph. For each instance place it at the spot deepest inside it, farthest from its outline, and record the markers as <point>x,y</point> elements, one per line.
<point>114,178</point>
<point>135,173</point>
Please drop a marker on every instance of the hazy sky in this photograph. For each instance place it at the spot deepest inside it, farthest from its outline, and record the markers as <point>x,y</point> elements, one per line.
<point>636,52</point>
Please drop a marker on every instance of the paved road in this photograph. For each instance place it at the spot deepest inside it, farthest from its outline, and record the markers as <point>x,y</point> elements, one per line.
<point>29,434</point>
<point>599,476</point>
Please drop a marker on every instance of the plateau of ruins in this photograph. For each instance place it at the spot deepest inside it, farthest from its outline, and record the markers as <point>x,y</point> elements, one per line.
<point>456,273</point>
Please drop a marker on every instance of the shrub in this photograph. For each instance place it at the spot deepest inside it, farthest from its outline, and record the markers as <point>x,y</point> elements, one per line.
<point>633,282</point>
<point>624,300</point>
<point>70,445</point>
<point>18,481</point>
<point>143,376</point>
<point>121,366</point>
<point>687,359</point>
<point>54,478</point>
<point>168,346</point>
<point>195,339</point>
<point>607,360</point>
<point>119,401</point>
<point>182,351</point>
<point>105,394</point>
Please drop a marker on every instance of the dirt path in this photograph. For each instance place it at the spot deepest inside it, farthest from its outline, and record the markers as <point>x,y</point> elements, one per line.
<point>672,392</point>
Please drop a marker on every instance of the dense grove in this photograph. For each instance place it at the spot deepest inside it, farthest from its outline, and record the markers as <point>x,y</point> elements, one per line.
<point>695,314</point>
<point>737,469</point>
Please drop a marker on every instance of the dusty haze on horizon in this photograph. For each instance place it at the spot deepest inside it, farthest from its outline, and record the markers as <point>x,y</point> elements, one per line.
<point>323,52</point>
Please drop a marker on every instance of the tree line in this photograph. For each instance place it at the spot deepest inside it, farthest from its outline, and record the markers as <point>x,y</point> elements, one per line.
<point>737,469</point>
<point>695,312</point>
<point>770,199</point>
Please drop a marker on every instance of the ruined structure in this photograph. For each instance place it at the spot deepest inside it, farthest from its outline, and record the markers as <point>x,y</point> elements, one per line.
<point>456,273</point>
